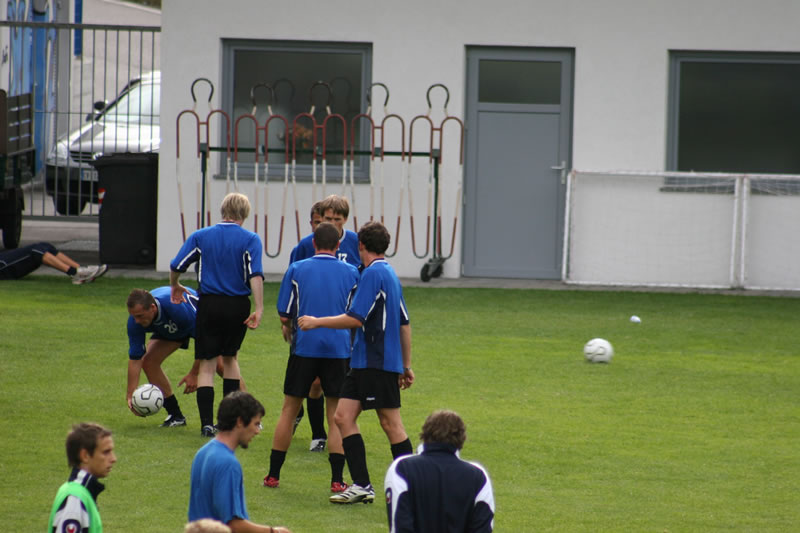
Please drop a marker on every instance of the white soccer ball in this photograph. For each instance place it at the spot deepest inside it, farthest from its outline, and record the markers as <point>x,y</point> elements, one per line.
<point>598,351</point>
<point>147,399</point>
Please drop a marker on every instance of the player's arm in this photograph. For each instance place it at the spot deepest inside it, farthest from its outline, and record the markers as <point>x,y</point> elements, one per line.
<point>407,379</point>
<point>257,288</point>
<point>134,371</point>
<point>190,379</point>
<point>287,330</point>
<point>343,321</point>
<point>240,525</point>
<point>177,290</point>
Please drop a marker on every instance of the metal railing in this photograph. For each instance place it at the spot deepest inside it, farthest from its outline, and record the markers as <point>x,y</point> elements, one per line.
<point>96,91</point>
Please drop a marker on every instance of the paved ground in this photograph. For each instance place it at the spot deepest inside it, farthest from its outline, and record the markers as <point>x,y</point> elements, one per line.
<point>81,241</point>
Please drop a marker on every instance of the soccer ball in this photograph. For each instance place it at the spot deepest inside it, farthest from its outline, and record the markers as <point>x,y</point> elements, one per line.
<point>147,399</point>
<point>598,351</point>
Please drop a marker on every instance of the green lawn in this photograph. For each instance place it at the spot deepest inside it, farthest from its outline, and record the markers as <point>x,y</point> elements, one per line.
<point>694,426</point>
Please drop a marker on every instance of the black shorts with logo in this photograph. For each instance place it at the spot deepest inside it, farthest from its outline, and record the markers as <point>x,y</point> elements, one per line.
<point>375,389</point>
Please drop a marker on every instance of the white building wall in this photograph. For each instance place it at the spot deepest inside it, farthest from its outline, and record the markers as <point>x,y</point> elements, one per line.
<point>621,71</point>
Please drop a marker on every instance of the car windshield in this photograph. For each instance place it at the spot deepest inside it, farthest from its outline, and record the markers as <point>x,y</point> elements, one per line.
<point>140,105</point>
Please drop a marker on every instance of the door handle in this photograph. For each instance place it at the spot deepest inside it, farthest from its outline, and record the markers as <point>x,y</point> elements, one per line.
<point>562,168</point>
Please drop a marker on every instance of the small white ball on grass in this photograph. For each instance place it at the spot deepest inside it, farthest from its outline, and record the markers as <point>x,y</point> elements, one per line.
<point>636,320</point>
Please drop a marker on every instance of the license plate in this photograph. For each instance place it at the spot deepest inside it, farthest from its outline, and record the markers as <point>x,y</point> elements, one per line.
<point>88,175</point>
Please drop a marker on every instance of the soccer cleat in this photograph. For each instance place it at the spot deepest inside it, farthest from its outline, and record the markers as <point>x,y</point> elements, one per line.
<point>173,422</point>
<point>272,482</point>
<point>354,494</point>
<point>317,445</point>
<point>337,486</point>
<point>209,431</point>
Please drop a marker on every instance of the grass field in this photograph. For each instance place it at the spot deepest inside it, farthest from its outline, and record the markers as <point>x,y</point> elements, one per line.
<point>694,426</point>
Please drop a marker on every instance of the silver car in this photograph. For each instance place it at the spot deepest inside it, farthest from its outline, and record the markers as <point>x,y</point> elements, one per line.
<point>128,124</point>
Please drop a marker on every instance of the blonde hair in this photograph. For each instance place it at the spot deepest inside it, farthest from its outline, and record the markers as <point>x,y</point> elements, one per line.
<point>206,525</point>
<point>235,206</point>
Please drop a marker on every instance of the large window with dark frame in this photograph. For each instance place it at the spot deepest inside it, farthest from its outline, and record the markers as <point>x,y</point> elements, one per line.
<point>295,79</point>
<point>734,112</point>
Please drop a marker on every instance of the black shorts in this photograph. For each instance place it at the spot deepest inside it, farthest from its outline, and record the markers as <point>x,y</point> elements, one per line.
<point>302,371</point>
<point>220,326</point>
<point>184,342</point>
<point>19,262</point>
<point>375,389</point>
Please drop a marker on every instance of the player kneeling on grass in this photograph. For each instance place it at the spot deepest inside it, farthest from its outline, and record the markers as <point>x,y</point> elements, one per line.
<point>380,360</point>
<point>171,325</point>
<point>320,285</point>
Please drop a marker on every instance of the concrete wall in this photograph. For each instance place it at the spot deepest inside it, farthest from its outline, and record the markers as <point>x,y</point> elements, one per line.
<point>621,66</point>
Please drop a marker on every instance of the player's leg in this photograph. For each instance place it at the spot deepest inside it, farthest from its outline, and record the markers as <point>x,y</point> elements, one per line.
<point>157,351</point>
<point>221,373</point>
<point>332,375</point>
<point>231,375</point>
<point>316,417</point>
<point>282,439</point>
<point>346,416</point>
<point>392,425</point>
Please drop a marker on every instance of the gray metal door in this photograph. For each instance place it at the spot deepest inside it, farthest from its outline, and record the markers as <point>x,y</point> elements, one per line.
<point>519,123</point>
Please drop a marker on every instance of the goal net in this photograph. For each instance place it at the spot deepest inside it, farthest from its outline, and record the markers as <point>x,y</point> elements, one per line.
<point>677,229</point>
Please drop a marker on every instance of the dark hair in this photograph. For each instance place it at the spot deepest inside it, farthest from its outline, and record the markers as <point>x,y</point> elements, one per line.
<point>236,405</point>
<point>140,297</point>
<point>375,237</point>
<point>338,204</point>
<point>326,236</point>
<point>444,427</point>
<point>84,436</point>
<point>316,210</point>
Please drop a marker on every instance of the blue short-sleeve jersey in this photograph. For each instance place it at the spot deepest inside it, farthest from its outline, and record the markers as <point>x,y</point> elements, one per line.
<point>216,484</point>
<point>347,252</point>
<point>172,322</point>
<point>227,255</point>
<point>378,303</point>
<point>318,286</point>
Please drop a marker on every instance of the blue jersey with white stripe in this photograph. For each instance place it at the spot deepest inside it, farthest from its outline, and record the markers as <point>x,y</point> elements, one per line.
<point>347,252</point>
<point>172,322</point>
<point>378,303</point>
<point>228,256</point>
<point>318,286</point>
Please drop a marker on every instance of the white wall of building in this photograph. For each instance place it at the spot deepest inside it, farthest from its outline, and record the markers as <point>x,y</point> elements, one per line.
<point>621,72</point>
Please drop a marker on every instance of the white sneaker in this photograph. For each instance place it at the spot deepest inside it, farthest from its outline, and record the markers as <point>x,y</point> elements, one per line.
<point>87,274</point>
<point>317,445</point>
<point>354,494</point>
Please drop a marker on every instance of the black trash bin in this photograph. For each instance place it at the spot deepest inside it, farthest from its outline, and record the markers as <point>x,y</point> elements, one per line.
<point>128,189</point>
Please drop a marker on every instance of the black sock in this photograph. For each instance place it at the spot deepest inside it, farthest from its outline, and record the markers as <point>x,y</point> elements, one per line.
<point>316,417</point>
<point>402,448</point>
<point>276,459</point>
<point>172,407</point>
<point>205,405</point>
<point>71,271</point>
<point>337,467</point>
<point>229,386</point>
<point>356,456</point>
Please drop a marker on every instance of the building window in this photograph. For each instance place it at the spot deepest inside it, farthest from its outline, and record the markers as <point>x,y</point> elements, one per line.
<point>330,77</point>
<point>734,112</point>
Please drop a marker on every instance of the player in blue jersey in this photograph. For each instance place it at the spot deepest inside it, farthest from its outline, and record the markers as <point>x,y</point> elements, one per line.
<point>380,360</point>
<point>415,501</point>
<point>171,325</point>
<point>216,484</point>
<point>334,209</point>
<point>320,285</point>
<point>229,270</point>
